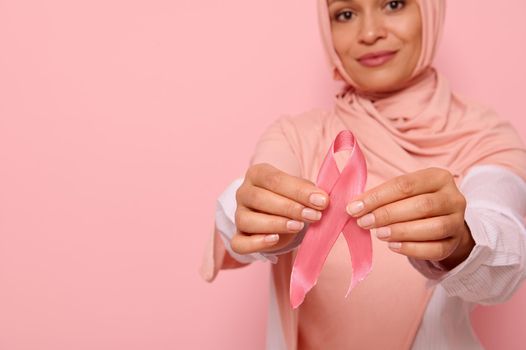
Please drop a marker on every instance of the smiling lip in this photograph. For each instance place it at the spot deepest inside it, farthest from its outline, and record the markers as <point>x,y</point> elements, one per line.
<point>376,59</point>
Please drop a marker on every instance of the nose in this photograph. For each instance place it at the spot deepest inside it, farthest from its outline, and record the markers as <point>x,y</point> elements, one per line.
<point>372,28</point>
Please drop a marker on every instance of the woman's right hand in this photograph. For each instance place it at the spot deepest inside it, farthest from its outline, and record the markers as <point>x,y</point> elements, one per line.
<point>272,207</point>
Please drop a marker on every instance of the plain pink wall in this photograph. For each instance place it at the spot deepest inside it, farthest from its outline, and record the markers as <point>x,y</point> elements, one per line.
<point>122,121</point>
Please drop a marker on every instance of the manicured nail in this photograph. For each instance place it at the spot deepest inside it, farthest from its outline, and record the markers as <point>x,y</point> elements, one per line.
<point>271,238</point>
<point>366,220</point>
<point>294,225</point>
<point>311,214</point>
<point>355,207</point>
<point>317,199</point>
<point>383,232</point>
<point>395,245</point>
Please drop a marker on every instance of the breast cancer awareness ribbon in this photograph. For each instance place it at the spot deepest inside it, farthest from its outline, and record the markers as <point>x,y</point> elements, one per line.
<point>321,235</point>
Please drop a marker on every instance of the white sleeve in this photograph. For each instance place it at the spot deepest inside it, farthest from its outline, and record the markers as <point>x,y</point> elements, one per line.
<point>496,206</point>
<point>225,223</point>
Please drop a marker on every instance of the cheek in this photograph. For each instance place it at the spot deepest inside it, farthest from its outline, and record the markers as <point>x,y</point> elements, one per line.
<point>414,37</point>
<point>341,42</point>
<point>410,30</point>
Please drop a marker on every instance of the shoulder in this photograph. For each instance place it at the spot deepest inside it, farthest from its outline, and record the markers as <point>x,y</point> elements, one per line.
<point>314,115</point>
<point>290,140</point>
<point>305,123</point>
<point>473,109</point>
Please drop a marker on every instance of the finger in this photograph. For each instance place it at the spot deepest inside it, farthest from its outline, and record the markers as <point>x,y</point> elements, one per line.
<point>432,250</point>
<point>409,209</point>
<point>248,221</point>
<point>401,187</point>
<point>431,229</point>
<point>269,202</point>
<point>247,244</point>
<point>292,187</point>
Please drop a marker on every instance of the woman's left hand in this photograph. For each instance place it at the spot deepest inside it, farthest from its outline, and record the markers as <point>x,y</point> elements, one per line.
<point>420,214</point>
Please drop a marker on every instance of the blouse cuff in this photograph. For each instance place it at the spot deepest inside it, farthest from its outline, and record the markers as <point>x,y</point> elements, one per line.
<point>437,273</point>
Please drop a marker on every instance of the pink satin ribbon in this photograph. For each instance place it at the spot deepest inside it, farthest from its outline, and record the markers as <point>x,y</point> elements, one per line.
<point>320,236</point>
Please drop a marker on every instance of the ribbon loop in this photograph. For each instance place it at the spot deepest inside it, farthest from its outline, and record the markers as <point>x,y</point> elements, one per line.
<point>321,236</point>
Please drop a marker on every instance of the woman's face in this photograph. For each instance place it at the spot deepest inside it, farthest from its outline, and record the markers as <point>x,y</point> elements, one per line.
<point>378,41</point>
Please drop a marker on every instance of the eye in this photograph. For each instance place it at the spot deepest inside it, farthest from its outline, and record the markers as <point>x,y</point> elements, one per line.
<point>347,15</point>
<point>395,5</point>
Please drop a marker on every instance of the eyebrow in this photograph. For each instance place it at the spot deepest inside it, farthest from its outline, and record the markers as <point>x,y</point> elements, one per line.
<point>335,1</point>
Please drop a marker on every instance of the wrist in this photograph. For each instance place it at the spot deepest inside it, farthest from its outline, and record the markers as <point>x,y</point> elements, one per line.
<point>462,251</point>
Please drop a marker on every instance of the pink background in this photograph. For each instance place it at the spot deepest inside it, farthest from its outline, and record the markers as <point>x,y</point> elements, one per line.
<point>122,121</point>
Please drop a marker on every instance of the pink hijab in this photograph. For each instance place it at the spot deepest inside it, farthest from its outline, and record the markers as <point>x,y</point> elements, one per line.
<point>423,125</point>
<point>425,119</point>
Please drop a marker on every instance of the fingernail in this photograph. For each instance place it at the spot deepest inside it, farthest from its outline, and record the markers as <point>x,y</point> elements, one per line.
<point>355,207</point>
<point>294,225</point>
<point>366,220</point>
<point>317,199</point>
<point>271,238</point>
<point>395,245</point>
<point>383,232</point>
<point>311,214</point>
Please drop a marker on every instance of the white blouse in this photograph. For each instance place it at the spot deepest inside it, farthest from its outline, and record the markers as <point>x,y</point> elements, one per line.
<point>496,207</point>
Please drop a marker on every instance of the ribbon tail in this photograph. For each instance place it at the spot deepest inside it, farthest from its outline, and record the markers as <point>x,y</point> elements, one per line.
<point>360,246</point>
<point>309,261</point>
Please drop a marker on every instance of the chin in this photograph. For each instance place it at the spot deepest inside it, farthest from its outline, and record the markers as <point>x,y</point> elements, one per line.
<point>380,86</point>
<point>390,78</point>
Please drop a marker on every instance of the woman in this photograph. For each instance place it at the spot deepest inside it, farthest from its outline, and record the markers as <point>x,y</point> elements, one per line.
<point>445,194</point>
